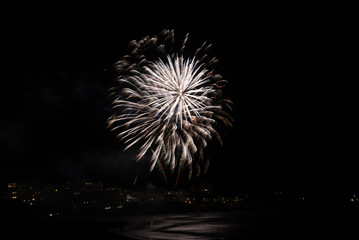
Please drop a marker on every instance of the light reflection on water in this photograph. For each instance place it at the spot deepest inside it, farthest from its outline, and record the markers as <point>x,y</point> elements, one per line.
<point>261,224</point>
<point>194,226</point>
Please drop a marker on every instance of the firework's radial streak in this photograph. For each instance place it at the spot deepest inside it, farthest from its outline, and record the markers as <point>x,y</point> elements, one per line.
<point>137,130</point>
<point>164,105</point>
<point>191,71</point>
<point>198,100</point>
<point>197,80</point>
<point>157,91</point>
<point>179,116</point>
<point>188,108</point>
<point>132,132</point>
<point>136,138</point>
<point>172,109</point>
<point>202,131</point>
<point>159,94</point>
<point>131,93</point>
<point>199,137</point>
<point>175,143</point>
<point>170,69</point>
<point>155,82</point>
<point>171,149</point>
<point>147,144</point>
<point>133,120</point>
<point>206,119</point>
<point>189,142</point>
<point>154,157</point>
<point>164,79</point>
<point>183,115</point>
<point>183,150</point>
<point>189,68</point>
<point>122,133</point>
<point>194,69</point>
<point>193,107</point>
<point>178,75</point>
<point>162,71</point>
<point>145,147</point>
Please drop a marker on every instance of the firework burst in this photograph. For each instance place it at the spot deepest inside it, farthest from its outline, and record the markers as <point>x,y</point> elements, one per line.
<point>167,103</point>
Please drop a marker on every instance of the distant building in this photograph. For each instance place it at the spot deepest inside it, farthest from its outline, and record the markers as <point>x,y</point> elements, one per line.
<point>11,191</point>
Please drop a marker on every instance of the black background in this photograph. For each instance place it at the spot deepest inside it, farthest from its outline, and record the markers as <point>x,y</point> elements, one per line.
<point>54,104</point>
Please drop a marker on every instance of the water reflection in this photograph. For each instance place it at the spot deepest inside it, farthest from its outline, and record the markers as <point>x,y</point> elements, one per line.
<point>251,224</point>
<point>194,226</point>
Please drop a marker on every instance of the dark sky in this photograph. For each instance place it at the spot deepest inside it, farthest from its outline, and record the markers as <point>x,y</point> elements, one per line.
<point>54,104</point>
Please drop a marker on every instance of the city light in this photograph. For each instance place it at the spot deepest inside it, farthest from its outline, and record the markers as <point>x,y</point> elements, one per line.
<point>110,199</point>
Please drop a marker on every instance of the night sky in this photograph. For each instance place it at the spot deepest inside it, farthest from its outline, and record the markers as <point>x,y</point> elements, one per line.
<point>54,103</point>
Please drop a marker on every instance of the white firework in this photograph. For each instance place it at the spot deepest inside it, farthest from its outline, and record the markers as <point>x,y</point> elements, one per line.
<point>168,105</point>
<point>177,89</point>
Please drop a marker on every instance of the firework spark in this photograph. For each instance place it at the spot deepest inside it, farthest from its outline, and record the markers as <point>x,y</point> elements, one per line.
<point>167,103</point>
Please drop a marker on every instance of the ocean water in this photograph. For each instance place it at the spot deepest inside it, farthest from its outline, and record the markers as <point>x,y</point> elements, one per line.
<point>249,224</point>
<point>276,224</point>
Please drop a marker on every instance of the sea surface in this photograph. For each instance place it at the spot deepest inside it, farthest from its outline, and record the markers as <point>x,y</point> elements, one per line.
<point>276,224</point>
<point>249,224</point>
